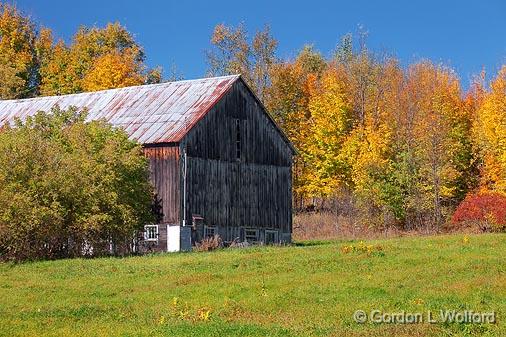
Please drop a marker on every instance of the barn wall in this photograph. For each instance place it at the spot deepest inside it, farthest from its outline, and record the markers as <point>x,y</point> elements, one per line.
<point>231,192</point>
<point>164,169</point>
<point>165,176</point>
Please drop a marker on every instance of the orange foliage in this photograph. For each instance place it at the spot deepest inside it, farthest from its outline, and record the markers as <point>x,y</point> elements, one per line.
<point>490,135</point>
<point>113,70</point>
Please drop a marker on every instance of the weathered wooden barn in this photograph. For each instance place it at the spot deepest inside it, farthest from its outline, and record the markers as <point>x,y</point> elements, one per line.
<point>219,163</point>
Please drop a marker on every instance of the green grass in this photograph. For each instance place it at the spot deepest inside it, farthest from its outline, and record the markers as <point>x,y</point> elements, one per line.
<point>302,290</point>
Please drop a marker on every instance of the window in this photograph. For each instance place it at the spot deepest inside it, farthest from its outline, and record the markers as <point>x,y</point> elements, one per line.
<point>271,237</point>
<point>251,235</point>
<point>209,231</point>
<point>151,233</point>
<point>238,139</point>
<point>197,221</point>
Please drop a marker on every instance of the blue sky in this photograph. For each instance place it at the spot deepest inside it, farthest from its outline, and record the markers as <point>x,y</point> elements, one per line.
<point>467,35</point>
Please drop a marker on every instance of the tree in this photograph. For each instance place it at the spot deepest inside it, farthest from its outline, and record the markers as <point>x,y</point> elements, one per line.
<point>287,99</point>
<point>32,63</point>
<point>233,53</point>
<point>113,70</point>
<point>230,53</point>
<point>437,131</point>
<point>330,122</point>
<point>70,188</point>
<point>398,139</point>
<point>489,130</point>
<point>97,59</point>
<point>18,57</point>
<point>366,156</point>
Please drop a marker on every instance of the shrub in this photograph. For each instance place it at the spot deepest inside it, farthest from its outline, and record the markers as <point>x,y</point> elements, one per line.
<point>70,188</point>
<point>209,243</point>
<point>488,210</point>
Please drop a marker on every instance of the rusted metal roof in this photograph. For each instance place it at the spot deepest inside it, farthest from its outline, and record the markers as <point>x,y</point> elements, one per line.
<point>156,113</point>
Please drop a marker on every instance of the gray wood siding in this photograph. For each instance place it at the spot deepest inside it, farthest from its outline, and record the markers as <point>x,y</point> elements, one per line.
<point>214,136</point>
<point>165,176</point>
<point>251,191</point>
<point>237,194</point>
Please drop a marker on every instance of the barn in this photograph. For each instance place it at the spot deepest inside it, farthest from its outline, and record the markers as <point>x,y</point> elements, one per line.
<point>219,163</point>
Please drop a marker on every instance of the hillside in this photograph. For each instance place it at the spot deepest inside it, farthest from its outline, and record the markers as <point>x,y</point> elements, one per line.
<point>309,289</point>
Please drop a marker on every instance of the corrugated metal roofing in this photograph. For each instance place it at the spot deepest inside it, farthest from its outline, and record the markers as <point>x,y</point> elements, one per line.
<point>156,113</point>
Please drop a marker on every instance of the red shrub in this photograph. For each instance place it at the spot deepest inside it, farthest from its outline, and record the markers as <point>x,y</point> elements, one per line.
<point>484,208</point>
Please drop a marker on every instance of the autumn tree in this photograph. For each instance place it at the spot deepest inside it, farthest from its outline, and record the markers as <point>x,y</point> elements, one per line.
<point>489,132</point>
<point>233,52</point>
<point>18,55</point>
<point>330,121</point>
<point>33,63</point>
<point>435,132</point>
<point>113,70</point>
<point>397,139</point>
<point>287,99</point>
<point>373,82</point>
<point>97,59</point>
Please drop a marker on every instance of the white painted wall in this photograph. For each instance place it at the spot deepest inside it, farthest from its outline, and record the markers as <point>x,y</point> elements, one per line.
<point>173,238</point>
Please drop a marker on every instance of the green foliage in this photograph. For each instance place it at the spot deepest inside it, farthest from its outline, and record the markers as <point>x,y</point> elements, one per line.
<point>70,188</point>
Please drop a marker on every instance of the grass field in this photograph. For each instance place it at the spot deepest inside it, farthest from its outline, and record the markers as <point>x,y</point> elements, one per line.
<point>310,289</point>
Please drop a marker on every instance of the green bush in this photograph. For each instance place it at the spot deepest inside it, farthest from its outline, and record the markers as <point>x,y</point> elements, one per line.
<point>70,188</point>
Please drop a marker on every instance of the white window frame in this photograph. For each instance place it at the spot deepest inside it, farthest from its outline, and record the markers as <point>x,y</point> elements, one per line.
<point>157,233</point>
<point>209,228</point>
<point>276,236</point>
<point>246,235</point>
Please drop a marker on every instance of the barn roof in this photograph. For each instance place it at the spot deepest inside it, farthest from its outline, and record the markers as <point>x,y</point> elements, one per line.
<point>156,113</point>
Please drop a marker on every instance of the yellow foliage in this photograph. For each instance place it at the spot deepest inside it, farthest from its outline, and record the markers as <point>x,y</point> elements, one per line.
<point>366,152</point>
<point>113,70</point>
<point>97,59</point>
<point>439,128</point>
<point>288,99</point>
<point>329,123</point>
<point>490,135</point>
<point>17,53</point>
<point>58,72</point>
